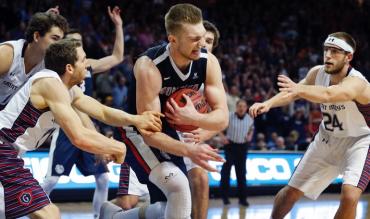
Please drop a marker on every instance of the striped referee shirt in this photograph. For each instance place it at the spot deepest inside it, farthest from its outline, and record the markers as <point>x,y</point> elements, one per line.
<point>239,128</point>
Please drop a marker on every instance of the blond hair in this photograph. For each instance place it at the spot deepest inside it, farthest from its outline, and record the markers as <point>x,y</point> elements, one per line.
<point>181,14</point>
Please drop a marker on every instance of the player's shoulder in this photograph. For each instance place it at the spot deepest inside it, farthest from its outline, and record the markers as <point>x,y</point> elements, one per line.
<point>6,57</point>
<point>312,74</point>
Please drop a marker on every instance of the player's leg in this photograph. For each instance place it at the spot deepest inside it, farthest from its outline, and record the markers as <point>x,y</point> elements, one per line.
<point>88,165</point>
<point>356,168</point>
<point>284,201</point>
<point>199,188</point>
<point>21,193</point>
<point>50,211</point>
<point>129,188</point>
<point>241,171</point>
<point>349,198</point>
<point>313,174</point>
<point>62,156</point>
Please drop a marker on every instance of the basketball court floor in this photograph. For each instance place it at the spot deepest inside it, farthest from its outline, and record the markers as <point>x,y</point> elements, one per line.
<point>260,208</point>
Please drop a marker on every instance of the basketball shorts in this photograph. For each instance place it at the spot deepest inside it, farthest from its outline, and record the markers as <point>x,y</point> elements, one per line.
<point>63,155</point>
<point>20,192</point>
<point>328,157</point>
<point>142,159</point>
<point>129,183</point>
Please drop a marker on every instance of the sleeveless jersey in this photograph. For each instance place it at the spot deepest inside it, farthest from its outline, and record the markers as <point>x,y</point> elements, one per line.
<point>16,76</point>
<point>21,124</point>
<point>343,119</point>
<point>172,78</point>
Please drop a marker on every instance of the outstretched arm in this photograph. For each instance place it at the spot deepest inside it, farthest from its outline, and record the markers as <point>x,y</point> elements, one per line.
<point>147,123</point>
<point>50,92</point>
<point>108,62</point>
<point>283,98</point>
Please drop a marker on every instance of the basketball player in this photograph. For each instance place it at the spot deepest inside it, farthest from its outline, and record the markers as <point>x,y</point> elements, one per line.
<point>20,59</point>
<point>128,196</point>
<point>63,154</point>
<point>342,144</point>
<point>162,70</point>
<point>31,115</point>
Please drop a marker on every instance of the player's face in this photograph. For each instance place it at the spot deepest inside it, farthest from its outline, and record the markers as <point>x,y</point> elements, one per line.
<point>209,40</point>
<point>334,59</point>
<point>80,66</point>
<point>190,40</point>
<point>52,36</point>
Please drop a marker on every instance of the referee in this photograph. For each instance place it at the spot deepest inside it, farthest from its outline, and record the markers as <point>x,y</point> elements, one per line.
<point>238,134</point>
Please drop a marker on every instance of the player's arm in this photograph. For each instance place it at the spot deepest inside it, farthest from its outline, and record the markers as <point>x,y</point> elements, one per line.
<point>147,123</point>
<point>50,92</point>
<point>6,58</point>
<point>283,97</point>
<point>108,62</point>
<point>85,119</point>
<point>349,89</point>
<point>148,85</point>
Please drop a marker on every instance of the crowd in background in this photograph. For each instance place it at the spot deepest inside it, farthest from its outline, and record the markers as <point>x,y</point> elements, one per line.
<point>259,40</point>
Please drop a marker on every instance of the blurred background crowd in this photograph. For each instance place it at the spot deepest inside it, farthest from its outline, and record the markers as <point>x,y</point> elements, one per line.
<point>258,42</point>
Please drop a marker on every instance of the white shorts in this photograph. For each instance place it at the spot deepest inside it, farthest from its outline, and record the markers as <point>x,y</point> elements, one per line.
<point>135,187</point>
<point>326,158</point>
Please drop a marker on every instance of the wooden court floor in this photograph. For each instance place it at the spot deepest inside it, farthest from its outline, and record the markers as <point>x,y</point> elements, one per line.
<point>260,208</point>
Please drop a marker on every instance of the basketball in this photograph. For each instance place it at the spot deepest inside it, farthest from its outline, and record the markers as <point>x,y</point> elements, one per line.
<point>198,100</point>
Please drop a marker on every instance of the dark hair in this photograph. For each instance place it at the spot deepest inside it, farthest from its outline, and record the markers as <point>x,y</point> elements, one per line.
<point>241,100</point>
<point>346,37</point>
<point>212,28</point>
<point>42,22</point>
<point>61,53</point>
<point>181,14</point>
<point>73,31</point>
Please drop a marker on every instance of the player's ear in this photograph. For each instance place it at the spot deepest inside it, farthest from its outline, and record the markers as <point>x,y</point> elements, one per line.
<point>350,57</point>
<point>69,69</point>
<point>171,38</point>
<point>36,36</point>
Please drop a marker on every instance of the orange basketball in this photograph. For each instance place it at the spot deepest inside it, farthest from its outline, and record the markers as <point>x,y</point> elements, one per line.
<point>198,100</point>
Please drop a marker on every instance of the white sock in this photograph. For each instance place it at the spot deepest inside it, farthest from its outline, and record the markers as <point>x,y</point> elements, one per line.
<point>101,192</point>
<point>49,183</point>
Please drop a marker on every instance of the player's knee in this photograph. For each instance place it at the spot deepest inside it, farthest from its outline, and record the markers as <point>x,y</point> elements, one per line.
<point>350,195</point>
<point>50,211</point>
<point>127,201</point>
<point>291,193</point>
<point>199,180</point>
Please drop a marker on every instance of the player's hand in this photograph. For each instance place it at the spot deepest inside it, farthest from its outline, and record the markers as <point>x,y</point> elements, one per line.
<point>258,108</point>
<point>148,122</point>
<point>198,135</point>
<point>181,115</point>
<point>115,15</point>
<point>118,158</point>
<point>202,153</point>
<point>54,10</point>
<point>287,85</point>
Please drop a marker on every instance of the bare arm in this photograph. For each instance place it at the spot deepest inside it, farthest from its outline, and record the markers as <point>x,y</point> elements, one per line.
<point>283,97</point>
<point>149,121</point>
<point>349,89</point>
<point>108,62</point>
<point>49,92</point>
<point>6,59</point>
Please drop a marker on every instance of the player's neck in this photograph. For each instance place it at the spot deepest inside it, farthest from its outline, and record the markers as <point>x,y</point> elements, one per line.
<point>180,61</point>
<point>337,78</point>
<point>32,57</point>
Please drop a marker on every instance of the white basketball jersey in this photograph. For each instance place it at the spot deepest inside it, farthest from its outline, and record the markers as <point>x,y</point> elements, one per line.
<point>343,119</point>
<point>16,76</point>
<point>21,124</point>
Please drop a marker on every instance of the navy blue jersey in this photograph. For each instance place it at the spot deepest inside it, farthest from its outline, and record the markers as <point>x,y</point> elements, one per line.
<point>173,78</point>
